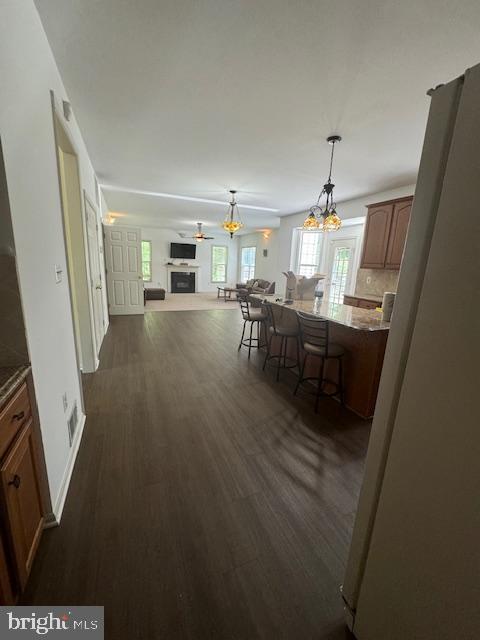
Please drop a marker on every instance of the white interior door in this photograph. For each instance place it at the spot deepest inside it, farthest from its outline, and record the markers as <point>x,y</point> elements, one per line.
<point>95,272</point>
<point>123,258</point>
<point>340,265</point>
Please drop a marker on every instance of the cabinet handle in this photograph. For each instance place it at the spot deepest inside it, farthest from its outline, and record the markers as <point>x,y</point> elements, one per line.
<point>15,481</point>
<point>18,416</point>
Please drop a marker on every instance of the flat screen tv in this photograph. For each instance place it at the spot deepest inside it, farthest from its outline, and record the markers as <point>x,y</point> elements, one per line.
<point>179,250</point>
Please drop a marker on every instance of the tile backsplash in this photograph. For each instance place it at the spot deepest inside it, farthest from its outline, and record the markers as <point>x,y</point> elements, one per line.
<point>379,281</point>
<point>13,343</point>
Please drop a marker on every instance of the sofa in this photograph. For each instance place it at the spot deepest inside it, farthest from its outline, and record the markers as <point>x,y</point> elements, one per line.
<point>256,285</point>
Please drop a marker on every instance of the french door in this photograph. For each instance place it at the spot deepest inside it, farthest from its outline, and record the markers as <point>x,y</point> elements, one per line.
<point>340,264</point>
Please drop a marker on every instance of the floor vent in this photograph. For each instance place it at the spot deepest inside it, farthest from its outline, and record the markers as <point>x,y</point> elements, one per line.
<point>72,423</point>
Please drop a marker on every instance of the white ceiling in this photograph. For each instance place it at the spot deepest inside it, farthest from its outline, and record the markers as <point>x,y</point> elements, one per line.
<point>195,98</point>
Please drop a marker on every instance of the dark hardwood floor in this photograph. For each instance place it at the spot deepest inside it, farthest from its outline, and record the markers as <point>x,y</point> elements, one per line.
<point>206,501</point>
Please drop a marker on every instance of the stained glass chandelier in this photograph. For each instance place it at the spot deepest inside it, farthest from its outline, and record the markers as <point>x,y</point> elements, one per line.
<point>231,224</point>
<point>326,218</point>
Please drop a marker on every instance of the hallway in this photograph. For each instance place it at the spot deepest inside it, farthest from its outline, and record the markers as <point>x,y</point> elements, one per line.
<point>206,501</point>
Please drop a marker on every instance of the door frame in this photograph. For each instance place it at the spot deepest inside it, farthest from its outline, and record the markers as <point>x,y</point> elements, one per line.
<point>85,338</point>
<point>97,344</point>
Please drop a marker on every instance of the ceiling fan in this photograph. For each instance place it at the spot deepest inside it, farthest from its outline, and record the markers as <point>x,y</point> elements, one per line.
<point>199,236</point>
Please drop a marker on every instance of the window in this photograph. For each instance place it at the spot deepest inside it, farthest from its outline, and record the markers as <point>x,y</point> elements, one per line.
<point>219,264</point>
<point>147,260</point>
<point>247,263</point>
<point>309,253</point>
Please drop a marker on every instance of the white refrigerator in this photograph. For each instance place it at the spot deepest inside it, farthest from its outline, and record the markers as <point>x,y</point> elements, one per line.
<point>414,566</point>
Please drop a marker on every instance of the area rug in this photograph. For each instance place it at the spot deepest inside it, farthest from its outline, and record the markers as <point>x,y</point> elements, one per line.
<point>190,302</point>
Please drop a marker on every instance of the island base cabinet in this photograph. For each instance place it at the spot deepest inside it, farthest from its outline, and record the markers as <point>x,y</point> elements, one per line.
<point>22,501</point>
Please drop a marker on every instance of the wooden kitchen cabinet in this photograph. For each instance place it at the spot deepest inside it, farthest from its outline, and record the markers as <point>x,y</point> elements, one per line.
<point>23,502</point>
<point>398,234</point>
<point>24,496</point>
<point>377,230</point>
<point>385,234</point>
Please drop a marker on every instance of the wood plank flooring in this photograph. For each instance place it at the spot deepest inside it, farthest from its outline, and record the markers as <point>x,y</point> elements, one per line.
<point>206,501</point>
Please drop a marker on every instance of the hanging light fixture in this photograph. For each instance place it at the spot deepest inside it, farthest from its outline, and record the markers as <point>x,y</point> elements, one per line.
<point>325,219</point>
<point>230,224</point>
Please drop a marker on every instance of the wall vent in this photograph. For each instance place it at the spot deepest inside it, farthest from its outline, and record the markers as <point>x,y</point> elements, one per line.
<point>72,423</point>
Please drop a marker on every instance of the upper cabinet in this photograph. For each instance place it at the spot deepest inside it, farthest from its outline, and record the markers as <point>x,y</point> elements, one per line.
<point>398,234</point>
<point>385,234</point>
<point>377,230</point>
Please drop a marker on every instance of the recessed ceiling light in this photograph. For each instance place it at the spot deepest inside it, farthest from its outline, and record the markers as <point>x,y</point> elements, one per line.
<point>157,194</point>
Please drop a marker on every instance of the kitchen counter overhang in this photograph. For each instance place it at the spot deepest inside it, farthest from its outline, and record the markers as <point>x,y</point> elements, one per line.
<point>361,332</point>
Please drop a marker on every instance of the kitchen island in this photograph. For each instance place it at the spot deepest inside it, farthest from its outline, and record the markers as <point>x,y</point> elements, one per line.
<point>361,332</point>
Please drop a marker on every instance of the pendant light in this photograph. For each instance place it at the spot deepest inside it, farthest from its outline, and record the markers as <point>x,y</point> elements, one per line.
<point>325,219</point>
<point>230,224</point>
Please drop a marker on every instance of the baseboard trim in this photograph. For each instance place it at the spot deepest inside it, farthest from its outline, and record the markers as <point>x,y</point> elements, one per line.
<point>56,516</point>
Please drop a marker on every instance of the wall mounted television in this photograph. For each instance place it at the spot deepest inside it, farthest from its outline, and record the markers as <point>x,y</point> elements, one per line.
<point>181,250</point>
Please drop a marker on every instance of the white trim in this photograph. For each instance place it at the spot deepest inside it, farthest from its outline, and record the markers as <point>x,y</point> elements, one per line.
<point>62,494</point>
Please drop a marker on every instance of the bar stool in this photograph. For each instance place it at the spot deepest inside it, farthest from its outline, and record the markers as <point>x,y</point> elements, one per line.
<point>252,315</point>
<point>314,340</point>
<point>284,333</point>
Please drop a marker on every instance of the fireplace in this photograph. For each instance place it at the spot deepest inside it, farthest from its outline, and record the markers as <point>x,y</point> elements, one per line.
<point>182,281</point>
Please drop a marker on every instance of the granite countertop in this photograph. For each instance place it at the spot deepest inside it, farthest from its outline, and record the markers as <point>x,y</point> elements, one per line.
<point>352,317</point>
<point>11,378</point>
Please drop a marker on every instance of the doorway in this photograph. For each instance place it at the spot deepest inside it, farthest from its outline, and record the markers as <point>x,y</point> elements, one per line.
<point>76,250</point>
<point>95,280</point>
<point>340,267</point>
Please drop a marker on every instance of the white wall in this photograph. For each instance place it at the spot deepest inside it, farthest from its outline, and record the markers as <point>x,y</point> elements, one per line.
<point>265,267</point>
<point>28,73</point>
<point>347,210</point>
<point>161,239</point>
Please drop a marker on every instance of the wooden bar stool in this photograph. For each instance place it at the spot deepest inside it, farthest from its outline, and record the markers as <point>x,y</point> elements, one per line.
<point>314,340</point>
<point>284,333</point>
<point>252,315</point>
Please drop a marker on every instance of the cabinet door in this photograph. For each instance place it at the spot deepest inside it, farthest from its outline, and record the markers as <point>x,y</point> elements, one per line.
<point>23,503</point>
<point>398,234</point>
<point>377,231</point>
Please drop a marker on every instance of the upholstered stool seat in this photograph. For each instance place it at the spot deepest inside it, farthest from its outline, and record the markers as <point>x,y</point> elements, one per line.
<point>289,332</point>
<point>251,315</point>
<point>285,333</point>
<point>333,351</point>
<point>314,340</point>
<point>257,314</point>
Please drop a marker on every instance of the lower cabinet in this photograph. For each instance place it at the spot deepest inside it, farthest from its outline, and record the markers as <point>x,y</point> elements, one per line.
<point>23,504</point>
<point>22,491</point>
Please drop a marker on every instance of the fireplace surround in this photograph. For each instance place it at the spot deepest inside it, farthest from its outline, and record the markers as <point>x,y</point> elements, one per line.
<point>182,281</point>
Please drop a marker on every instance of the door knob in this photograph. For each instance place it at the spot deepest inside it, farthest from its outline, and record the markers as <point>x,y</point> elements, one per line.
<point>15,481</point>
<point>99,286</point>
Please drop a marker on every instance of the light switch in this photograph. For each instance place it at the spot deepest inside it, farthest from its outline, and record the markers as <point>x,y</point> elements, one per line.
<point>58,273</point>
